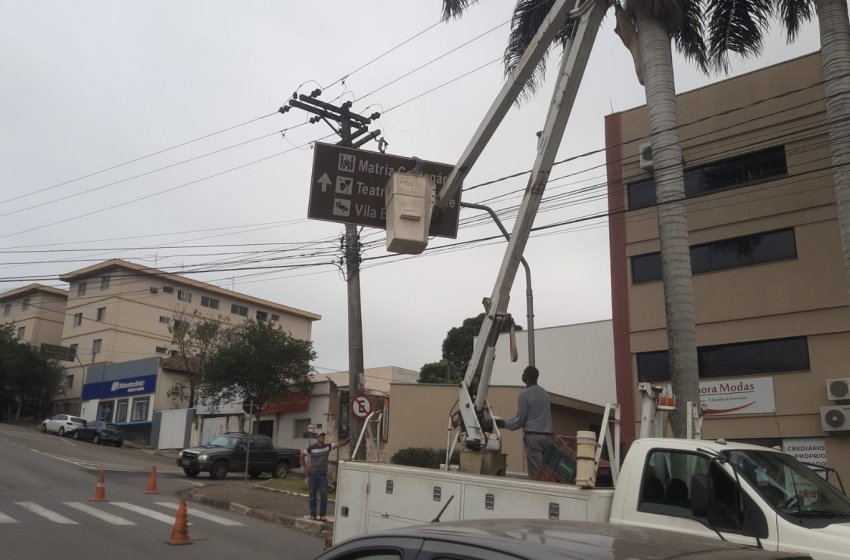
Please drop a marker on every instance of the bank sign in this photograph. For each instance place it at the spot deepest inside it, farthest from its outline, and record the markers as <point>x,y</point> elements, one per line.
<point>120,388</point>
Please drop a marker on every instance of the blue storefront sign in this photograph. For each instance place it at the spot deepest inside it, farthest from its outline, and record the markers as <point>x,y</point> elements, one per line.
<point>120,387</point>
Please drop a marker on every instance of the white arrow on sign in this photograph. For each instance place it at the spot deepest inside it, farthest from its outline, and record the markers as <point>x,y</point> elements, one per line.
<point>324,181</point>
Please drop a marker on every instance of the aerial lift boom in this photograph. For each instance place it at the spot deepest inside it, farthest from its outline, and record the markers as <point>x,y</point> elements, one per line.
<point>479,430</point>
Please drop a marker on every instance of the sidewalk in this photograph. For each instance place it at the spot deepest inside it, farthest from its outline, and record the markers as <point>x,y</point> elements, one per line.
<point>248,498</point>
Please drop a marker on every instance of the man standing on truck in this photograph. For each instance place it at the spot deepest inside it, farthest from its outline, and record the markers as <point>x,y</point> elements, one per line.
<point>534,417</point>
<point>316,468</point>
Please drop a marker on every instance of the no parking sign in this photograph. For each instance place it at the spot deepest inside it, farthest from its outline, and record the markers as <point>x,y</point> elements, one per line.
<point>361,406</point>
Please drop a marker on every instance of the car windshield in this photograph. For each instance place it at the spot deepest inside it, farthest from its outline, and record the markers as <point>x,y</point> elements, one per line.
<point>76,420</point>
<point>110,426</point>
<point>789,485</point>
<point>223,441</point>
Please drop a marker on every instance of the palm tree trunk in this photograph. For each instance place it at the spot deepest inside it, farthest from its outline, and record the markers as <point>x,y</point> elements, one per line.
<point>835,59</point>
<point>657,57</point>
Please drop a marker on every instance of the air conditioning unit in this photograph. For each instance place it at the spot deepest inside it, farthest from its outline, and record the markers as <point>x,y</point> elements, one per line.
<point>645,155</point>
<point>838,389</point>
<point>835,418</point>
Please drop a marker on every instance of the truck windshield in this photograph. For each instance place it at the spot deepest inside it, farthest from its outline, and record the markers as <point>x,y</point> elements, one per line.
<point>223,441</point>
<point>789,485</point>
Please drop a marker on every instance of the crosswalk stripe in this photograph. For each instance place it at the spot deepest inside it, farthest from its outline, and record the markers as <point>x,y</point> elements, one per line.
<point>108,517</point>
<point>145,511</point>
<point>204,515</point>
<point>46,513</point>
<point>7,519</point>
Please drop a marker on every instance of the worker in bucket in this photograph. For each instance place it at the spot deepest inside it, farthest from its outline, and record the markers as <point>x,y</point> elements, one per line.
<point>534,416</point>
<point>315,461</point>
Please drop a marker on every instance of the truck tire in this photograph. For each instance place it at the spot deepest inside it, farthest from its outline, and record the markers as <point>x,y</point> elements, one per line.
<point>281,469</point>
<point>255,474</point>
<point>219,470</point>
<point>191,473</point>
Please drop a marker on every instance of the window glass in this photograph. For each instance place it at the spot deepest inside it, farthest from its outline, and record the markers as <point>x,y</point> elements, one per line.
<point>25,304</point>
<point>121,410</point>
<point>212,303</point>
<point>164,319</point>
<point>730,360</point>
<point>81,289</point>
<point>22,331</point>
<point>104,282</point>
<point>262,315</point>
<point>184,295</point>
<point>105,410</point>
<point>237,309</point>
<point>78,319</point>
<point>101,313</point>
<point>96,345</point>
<point>140,409</point>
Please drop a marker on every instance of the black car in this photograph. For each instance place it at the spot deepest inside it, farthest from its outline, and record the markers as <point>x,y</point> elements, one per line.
<point>531,539</point>
<point>100,432</point>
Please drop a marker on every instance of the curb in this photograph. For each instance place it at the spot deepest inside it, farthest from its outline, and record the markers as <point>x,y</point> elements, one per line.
<point>300,523</point>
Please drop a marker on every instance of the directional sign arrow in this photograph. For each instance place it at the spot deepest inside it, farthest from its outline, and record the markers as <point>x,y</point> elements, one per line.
<point>324,181</point>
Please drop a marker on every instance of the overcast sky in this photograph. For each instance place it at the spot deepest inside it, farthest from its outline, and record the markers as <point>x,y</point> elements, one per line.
<point>88,86</point>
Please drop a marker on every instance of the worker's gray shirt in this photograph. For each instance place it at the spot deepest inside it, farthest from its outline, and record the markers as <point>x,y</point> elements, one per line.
<point>533,411</point>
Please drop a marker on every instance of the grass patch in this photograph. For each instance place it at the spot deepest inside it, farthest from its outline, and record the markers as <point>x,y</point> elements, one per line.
<point>293,484</point>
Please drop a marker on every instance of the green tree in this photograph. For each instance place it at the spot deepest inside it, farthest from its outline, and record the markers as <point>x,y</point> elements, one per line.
<point>648,28</point>
<point>440,372</point>
<point>738,27</point>
<point>26,378</point>
<point>195,337</point>
<point>256,361</point>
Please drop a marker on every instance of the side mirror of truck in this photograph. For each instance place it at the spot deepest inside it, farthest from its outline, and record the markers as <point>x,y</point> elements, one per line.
<point>700,495</point>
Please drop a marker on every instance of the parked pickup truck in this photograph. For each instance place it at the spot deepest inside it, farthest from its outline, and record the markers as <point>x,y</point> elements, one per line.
<point>229,453</point>
<point>733,491</point>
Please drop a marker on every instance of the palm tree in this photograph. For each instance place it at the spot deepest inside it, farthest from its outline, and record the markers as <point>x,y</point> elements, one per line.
<point>647,28</point>
<point>734,25</point>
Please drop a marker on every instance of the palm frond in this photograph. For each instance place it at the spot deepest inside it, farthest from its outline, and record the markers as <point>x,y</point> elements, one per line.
<point>453,9</point>
<point>793,13</point>
<point>527,18</point>
<point>736,26</point>
<point>689,37</point>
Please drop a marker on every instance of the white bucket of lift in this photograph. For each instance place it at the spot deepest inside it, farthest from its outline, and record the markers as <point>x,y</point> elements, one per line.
<point>586,459</point>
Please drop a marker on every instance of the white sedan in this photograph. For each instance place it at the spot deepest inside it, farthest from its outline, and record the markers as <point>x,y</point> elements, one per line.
<point>62,424</point>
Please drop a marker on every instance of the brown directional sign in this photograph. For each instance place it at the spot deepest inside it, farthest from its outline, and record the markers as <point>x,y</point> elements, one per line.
<point>55,352</point>
<point>348,186</point>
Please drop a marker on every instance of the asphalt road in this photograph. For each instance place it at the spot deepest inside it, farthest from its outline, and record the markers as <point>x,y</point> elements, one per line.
<point>46,483</point>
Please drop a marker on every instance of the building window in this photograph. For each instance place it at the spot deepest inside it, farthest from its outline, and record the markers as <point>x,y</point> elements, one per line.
<point>81,289</point>
<point>25,304</point>
<point>237,309</point>
<point>101,313</point>
<point>154,290</point>
<point>168,289</point>
<point>22,331</point>
<point>78,319</point>
<point>184,295</point>
<point>74,348</point>
<point>105,410</point>
<point>180,326</point>
<point>121,410</point>
<point>747,250</point>
<point>96,345</point>
<point>69,381</point>
<point>164,319</point>
<point>140,409</point>
<point>732,360</point>
<point>275,317</point>
<point>104,282</point>
<point>734,172</point>
<point>161,350</point>
<point>212,303</point>
<point>262,315</point>
<point>7,309</point>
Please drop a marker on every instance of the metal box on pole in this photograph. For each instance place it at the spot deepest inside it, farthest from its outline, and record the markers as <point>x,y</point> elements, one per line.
<point>409,201</point>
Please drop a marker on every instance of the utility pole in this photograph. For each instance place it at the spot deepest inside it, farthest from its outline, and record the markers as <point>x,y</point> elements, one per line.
<point>352,130</point>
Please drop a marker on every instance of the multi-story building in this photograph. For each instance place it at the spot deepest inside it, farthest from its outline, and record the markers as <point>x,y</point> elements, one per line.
<point>771,304</point>
<point>37,312</point>
<point>119,311</point>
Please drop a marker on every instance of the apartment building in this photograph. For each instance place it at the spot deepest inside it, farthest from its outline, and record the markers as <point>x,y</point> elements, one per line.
<point>118,311</point>
<point>771,304</point>
<point>37,312</point>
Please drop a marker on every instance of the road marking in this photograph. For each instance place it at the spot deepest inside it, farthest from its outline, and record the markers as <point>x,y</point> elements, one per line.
<point>145,511</point>
<point>108,517</point>
<point>46,513</point>
<point>6,519</point>
<point>203,515</point>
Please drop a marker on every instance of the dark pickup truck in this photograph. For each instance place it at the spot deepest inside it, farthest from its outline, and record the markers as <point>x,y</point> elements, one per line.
<point>229,452</point>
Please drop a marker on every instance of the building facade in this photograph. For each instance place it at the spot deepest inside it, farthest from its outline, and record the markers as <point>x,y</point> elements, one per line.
<point>771,304</point>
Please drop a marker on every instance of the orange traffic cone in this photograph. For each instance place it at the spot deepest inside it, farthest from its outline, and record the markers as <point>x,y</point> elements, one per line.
<point>99,489</point>
<point>151,489</point>
<point>180,531</point>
